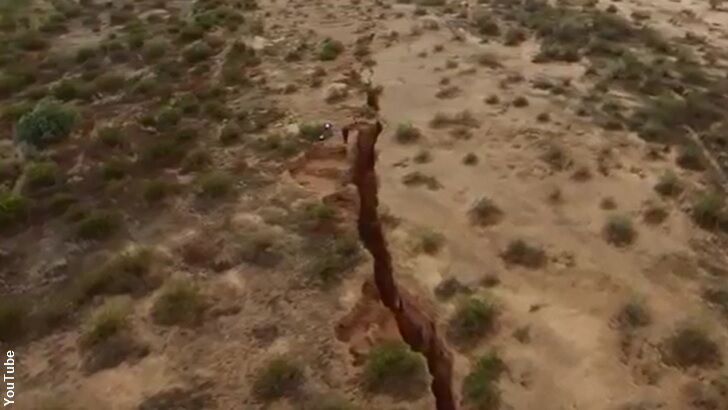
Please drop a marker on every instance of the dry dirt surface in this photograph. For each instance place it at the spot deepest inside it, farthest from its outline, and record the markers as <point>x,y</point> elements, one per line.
<point>552,187</point>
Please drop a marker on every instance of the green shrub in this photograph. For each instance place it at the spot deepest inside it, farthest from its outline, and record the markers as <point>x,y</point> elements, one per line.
<point>708,210</point>
<point>127,272</point>
<point>196,160</point>
<point>485,212</point>
<point>216,185</point>
<point>330,49</point>
<point>197,52</point>
<point>114,169</point>
<point>12,112</point>
<point>67,90</point>
<point>179,303</point>
<point>49,122</point>
<point>230,133</point>
<point>155,190</point>
<point>634,314</point>
<point>280,377</point>
<point>479,387</point>
<point>108,320</point>
<point>167,117</point>
<point>155,49</point>
<point>84,54</point>
<point>111,136</point>
<point>429,241</point>
<point>31,40</point>
<point>60,202</point>
<point>98,225</point>
<point>13,209</point>
<point>668,184</point>
<point>41,175</point>
<point>619,230</point>
<point>333,258</point>
<point>407,133</point>
<point>473,319</point>
<point>110,82</point>
<point>13,319</point>
<point>691,346</point>
<point>393,368</point>
<point>486,25</point>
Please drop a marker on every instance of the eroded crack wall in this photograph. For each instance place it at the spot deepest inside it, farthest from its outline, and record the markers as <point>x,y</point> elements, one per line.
<point>417,329</point>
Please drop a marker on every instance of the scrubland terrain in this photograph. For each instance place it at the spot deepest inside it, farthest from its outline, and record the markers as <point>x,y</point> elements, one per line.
<point>552,181</point>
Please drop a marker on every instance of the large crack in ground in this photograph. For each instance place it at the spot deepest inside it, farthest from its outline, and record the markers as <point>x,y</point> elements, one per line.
<point>417,329</point>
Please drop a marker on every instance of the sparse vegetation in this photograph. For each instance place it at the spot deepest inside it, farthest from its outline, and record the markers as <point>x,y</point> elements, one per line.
<point>429,241</point>
<point>394,369</point>
<point>216,184</point>
<point>13,319</point>
<point>417,178</point>
<point>332,259</point>
<point>669,184</point>
<point>520,252</point>
<point>49,122</point>
<point>107,321</point>
<point>279,377</point>
<point>470,159</point>
<point>480,388</point>
<point>485,212</point>
<point>708,210</point>
<point>330,49</point>
<point>473,319</point>
<point>619,230</point>
<point>633,315</point>
<point>463,118</point>
<point>41,175</point>
<point>691,346</point>
<point>98,225</point>
<point>179,303</point>
<point>128,272</point>
<point>407,133</point>
<point>422,157</point>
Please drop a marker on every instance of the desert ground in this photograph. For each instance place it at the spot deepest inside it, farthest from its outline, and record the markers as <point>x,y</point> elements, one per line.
<point>552,183</point>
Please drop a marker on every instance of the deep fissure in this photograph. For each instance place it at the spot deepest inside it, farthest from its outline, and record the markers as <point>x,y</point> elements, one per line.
<point>417,329</point>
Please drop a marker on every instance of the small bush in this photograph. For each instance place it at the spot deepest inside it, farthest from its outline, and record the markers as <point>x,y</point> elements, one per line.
<point>473,319</point>
<point>514,36</point>
<point>41,175</point>
<point>486,25</point>
<point>13,209</point>
<point>429,241</point>
<point>229,134</point>
<point>179,303</point>
<point>111,136</point>
<point>479,387</point>
<point>127,272</point>
<point>417,178</point>
<point>543,117</point>
<point>690,157</point>
<point>407,133</point>
<point>279,378</point>
<point>155,190</point>
<point>167,118</point>
<point>520,252</point>
<point>520,102</point>
<point>718,297</point>
<point>155,49</point>
<point>334,258</point>
<point>470,159</point>
<point>98,225</point>
<point>67,90</point>
<point>654,213</point>
<point>107,321</point>
<point>633,315</point>
<point>196,160</point>
<point>110,82</point>
<point>49,122</point>
<point>394,369</point>
<point>330,50</point>
<point>30,40</point>
<point>492,99</point>
<point>422,157</point>
<point>619,230</point>
<point>13,319</point>
<point>197,52</point>
<point>691,346</point>
<point>669,184</point>
<point>489,60</point>
<point>215,185</point>
<point>463,118</point>
<point>485,212</point>
<point>708,210</point>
